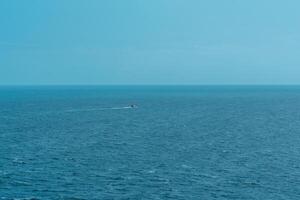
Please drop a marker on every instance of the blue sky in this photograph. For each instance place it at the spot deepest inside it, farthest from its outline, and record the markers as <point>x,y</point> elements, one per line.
<point>149,42</point>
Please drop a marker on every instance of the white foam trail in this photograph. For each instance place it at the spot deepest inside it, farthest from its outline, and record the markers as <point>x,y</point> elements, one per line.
<point>98,109</point>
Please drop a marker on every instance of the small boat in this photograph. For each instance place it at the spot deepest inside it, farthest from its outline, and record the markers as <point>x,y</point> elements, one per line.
<point>133,106</point>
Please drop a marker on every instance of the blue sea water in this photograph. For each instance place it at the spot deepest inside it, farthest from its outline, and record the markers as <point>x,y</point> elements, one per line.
<point>182,142</point>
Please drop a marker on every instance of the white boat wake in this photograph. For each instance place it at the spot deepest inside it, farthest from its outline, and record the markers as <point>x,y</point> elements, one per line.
<point>99,109</point>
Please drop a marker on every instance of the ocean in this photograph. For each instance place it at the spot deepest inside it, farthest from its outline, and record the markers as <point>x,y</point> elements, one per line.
<point>180,142</point>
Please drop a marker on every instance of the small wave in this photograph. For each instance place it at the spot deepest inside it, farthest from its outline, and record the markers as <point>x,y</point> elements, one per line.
<point>186,166</point>
<point>21,183</point>
<point>19,161</point>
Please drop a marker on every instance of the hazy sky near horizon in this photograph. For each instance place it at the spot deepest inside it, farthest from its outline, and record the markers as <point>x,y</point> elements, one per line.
<point>149,42</point>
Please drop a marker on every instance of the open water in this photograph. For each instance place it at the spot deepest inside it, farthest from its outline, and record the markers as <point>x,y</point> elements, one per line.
<point>181,142</point>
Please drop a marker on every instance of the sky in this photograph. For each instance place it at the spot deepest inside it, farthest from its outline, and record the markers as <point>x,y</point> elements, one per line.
<point>130,42</point>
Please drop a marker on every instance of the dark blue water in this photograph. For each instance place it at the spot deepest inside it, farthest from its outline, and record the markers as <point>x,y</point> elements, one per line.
<point>180,143</point>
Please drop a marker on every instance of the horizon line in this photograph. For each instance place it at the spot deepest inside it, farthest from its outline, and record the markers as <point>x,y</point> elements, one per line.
<point>87,85</point>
